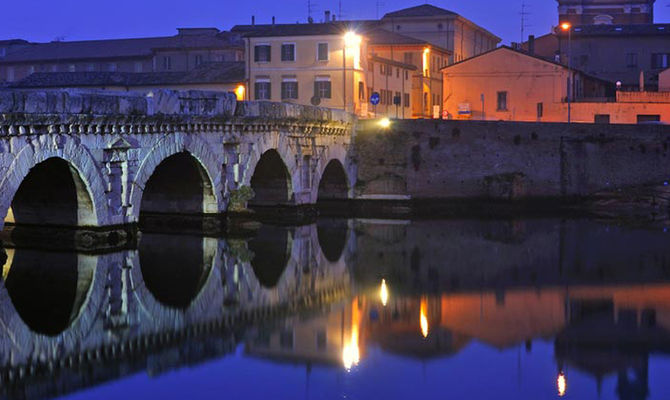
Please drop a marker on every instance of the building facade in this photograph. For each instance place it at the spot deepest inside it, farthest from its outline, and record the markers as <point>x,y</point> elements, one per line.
<point>182,52</point>
<point>597,12</point>
<point>442,28</point>
<point>426,59</point>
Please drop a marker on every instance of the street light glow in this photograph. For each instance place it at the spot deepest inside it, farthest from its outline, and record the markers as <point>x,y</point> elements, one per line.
<point>385,123</point>
<point>565,26</point>
<point>384,293</point>
<point>562,384</point>
<point>351,39</point>
<point>239,92</point>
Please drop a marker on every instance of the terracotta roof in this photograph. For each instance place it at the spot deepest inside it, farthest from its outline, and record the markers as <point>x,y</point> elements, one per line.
<point>527,55</point>
<point>425,10</point>
<point>116,48</point>
<point>217,72</point>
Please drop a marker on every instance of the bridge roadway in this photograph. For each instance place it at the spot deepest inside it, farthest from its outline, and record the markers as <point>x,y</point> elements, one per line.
<point>97,159</point>
<point>130,310</point>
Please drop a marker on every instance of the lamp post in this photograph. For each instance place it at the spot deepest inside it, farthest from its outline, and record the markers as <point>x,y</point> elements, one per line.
<point>566,26</point>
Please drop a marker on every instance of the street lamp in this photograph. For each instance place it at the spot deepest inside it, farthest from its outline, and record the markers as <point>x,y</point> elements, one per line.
<point>566,26</point>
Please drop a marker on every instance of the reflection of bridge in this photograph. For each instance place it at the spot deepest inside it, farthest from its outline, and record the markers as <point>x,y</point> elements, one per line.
<point>67,312</point>
<point>96,160</point>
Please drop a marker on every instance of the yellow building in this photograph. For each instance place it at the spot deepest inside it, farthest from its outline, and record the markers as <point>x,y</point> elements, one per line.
<point>425,89</point>
<point>319,64</point>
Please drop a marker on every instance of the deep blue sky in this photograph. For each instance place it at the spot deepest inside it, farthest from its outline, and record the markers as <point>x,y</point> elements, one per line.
<point>42,20</point>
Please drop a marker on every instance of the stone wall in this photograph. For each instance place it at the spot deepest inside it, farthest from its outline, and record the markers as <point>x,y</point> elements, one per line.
<point>506,160</point>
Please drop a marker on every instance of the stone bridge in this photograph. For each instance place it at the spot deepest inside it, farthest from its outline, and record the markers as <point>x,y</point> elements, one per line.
<point>96,159</point>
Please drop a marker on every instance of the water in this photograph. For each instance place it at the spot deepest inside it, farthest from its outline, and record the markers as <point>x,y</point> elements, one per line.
<point>365,309</point>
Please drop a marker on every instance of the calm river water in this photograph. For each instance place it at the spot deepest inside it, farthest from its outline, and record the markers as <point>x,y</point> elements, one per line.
<point>346,309</point>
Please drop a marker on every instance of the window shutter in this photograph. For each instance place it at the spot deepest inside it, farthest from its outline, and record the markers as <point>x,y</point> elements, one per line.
<point>283,90</point>
<point>268,53</point>
<point>269,90</point>
<point>256,91</point>
<point>256,57</point>
<point>316,89</point>
<point>328,90</point>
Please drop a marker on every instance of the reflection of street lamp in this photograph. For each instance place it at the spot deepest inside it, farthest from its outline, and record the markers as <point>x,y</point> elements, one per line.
<point>384,292</point>
<point>566,26</point>
<point>561,384</point>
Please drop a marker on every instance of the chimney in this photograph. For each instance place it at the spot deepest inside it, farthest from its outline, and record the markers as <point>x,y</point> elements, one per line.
<point>273,20</point>
<point>531,45</point>
<point>253,20</point>
<point>327,19</point>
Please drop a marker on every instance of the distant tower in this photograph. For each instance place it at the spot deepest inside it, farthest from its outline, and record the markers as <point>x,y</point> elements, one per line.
<point>598,12</point>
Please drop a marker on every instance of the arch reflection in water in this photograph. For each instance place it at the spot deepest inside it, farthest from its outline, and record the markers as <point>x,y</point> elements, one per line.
<point>47,289</point>
<point>271,248</point>
<point>332,237</point>
<point>175,267</point>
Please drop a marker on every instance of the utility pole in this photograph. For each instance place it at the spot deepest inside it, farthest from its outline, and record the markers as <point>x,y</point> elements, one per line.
<point>525,13</point>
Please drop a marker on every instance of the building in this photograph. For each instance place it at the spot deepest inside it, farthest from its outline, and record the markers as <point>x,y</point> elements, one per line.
<point>214,76</point>
<point>425,61</point>
<point>508,84</point>
<point>185,51</point>
<point>442,28</point>
<point>596,12</point>
<point>664,81</point>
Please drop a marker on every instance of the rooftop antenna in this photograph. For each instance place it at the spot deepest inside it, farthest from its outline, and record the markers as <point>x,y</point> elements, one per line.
<point>311,6</point>
<point>525,13</point>
<point>380,4</point>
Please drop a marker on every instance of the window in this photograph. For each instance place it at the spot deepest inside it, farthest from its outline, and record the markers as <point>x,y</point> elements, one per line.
<point>322,88</point>
<point>409,58</point>
<point>371,67</point>
<point>262,53</point>
<point>289,89</point>
<point>406,75</point>
<point>322,52</point>
<point>10,74</point>
<point>288,52</point>
<point>382,69</point>
<point>263,89</point>
<point>660,60</point>
<point>642,118</point>
<point>361,91</point>
<point>71,68</point>
<point>540,110</point>
<point>502,101</point>
<point>90,67</point>
<point>198,59</point>
<point>397,99</point>
<point>167,63</point>
<point>397,72</point>
<point>631,60</point>
<point>113,67</point>
<point>601,119</point>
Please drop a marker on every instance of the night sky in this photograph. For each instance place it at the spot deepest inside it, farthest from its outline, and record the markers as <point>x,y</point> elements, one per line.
<point>41,20</point>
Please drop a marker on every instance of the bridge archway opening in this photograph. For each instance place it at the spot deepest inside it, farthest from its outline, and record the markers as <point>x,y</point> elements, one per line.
<point>53,193</point>
<point>175,267</point>
<point>178,185</point>
<point>334,184</point>
<point>271,248</point>
<point>271,181</point>
<point>47,289</point>
<point>332,237</point>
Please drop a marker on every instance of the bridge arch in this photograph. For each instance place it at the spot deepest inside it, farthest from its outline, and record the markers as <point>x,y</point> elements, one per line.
<point>192,161</point>
<point>333,182</point>
<point>271,180</point>
<point>44,180</point>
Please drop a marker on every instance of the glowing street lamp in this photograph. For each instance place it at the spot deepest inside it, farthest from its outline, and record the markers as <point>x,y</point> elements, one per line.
<point>352,41</point>
<point>385,123</point>
<point>423,318</point>
<point>239,92</point>
<point>566,26</point>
